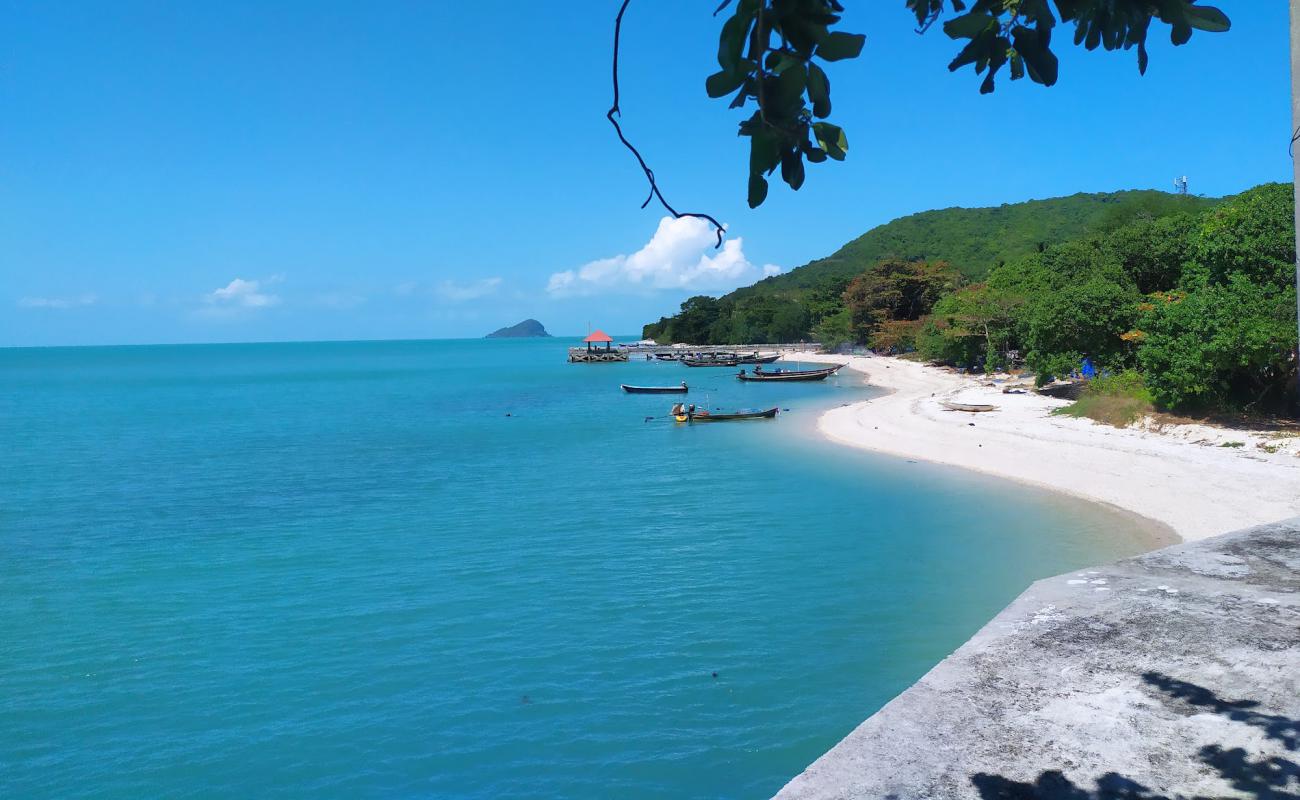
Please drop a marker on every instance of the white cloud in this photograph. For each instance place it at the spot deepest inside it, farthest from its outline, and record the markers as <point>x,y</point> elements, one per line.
<point>680,255</point>
<point>240,293</point>
<point>58,303</point>
<point>459,292</point>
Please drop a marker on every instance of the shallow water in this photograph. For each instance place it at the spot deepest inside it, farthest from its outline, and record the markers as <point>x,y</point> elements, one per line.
<point>465,569</point>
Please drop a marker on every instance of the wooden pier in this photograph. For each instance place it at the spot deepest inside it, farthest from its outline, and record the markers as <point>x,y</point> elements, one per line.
<point>599,348</point>
<point>706,352</point>
<point>592,353</point>
<point>582,355</point>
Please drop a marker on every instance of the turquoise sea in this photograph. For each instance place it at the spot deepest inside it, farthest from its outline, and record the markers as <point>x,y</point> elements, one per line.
<point>465,569</point>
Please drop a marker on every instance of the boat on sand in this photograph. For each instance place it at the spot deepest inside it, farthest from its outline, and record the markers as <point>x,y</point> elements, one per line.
<point>973,408</point>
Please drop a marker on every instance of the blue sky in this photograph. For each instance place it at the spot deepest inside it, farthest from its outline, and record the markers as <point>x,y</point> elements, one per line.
<point>242,171</point>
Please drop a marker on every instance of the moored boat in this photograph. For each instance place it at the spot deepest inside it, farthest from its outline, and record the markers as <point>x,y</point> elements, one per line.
<point>689,414</point>
<point>759,374</point>
<point>682,389</point>
<point>759,358</point>
<point>711,362</point>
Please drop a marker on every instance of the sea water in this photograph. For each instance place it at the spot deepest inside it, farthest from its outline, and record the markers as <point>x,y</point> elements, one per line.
<point>466,569</point>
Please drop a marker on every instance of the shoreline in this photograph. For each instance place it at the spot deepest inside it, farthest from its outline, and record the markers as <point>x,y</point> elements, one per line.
<point>1186,482</point>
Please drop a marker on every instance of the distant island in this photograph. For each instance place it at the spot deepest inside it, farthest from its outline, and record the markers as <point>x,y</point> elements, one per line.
<point>529,328</point>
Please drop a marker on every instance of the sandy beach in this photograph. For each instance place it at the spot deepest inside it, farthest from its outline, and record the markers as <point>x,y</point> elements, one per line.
<point>1196,479</point>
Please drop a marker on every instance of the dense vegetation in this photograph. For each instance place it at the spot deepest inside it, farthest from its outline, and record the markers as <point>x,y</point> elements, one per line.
<point>788,307</point>
<point>1192,301</point>
<point>1202,305</point>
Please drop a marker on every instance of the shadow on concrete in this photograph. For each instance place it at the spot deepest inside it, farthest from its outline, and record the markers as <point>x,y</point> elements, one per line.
<point>1270,778</point>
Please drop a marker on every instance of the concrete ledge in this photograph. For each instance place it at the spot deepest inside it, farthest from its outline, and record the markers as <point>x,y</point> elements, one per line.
<point>1171,675</point>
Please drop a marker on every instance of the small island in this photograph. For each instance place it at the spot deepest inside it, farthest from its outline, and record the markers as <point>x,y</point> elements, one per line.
<point>529,328</point>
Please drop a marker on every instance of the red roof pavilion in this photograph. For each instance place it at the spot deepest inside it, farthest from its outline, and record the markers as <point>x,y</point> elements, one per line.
<point>597,337</point>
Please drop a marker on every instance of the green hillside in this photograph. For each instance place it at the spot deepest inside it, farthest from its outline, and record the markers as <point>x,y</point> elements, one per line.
<point>975,240</point>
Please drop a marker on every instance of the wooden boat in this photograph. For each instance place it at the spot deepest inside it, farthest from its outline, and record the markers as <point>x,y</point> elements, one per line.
<point>758,359</point>
<point>974,408</point>
<point>685,415</point>
<point>789,374</point>
<point>710,362</point>
<point>682,389</point>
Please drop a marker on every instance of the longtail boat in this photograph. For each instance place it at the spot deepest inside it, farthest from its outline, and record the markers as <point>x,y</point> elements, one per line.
<point>682,389</point>
<point>682,414</point>
<point>710,362</point>
<point>973,408</point>
<point>759,359</point>
<point>789,375</point>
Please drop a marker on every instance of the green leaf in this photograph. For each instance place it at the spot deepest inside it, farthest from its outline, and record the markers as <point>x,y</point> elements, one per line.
<point>968,26</point>
<point>816,155</point>
<point>1208,18</point>
<point>723,83</point>
<point>757,190</point>
<point>1017,66</point>
<point>764,153</point>
<point>790,85</point>
<point>819,91</point>
<point>1040,62</point>
<point>731,42</point>
<point>792,169</point>
<point>839,45</point>
<point>832,139</point>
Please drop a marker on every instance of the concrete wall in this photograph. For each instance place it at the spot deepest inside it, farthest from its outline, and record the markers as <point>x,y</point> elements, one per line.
<point>1171,675</point>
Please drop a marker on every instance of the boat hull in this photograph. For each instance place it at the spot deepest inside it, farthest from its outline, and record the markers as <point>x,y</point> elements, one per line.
<point>970,408</point>
<point>799,375</point>
<point>654,389</point>
<point>768,414</point>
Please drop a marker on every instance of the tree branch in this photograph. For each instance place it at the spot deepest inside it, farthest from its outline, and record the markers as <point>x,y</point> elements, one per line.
<point>612,115</point>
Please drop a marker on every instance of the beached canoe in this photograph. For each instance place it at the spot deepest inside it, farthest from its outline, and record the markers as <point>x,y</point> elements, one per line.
<point>974,408</point>
<point>682,389</point>
<point>705,416</point>
<point>759,374</point>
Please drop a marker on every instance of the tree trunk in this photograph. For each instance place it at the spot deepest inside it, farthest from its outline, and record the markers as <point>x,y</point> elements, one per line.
<point>1295,163</point>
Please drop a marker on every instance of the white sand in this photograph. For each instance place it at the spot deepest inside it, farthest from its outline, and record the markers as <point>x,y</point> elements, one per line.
<point>1179,475</point>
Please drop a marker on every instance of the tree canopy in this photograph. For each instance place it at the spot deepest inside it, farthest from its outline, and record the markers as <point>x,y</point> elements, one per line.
<point>772,52</point>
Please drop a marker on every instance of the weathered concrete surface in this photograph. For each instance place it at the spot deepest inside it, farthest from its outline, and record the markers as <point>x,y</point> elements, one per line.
<point>1171,675</point>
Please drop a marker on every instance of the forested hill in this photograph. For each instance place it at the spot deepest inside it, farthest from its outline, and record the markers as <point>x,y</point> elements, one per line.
<point>975,240</point>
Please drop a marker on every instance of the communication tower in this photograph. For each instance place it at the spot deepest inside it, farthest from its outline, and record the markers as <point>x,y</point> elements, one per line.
<point>1180,184</point>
